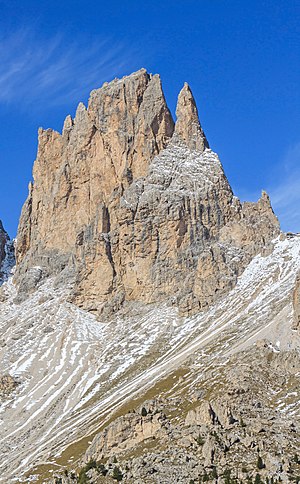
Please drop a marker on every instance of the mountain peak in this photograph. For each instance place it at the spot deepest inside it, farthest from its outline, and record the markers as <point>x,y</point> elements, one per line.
<point>144,209</point>
<point>188,127</point>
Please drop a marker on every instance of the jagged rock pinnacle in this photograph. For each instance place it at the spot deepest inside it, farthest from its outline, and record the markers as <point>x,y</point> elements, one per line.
<point>187,126</point>
<point>145,205</point>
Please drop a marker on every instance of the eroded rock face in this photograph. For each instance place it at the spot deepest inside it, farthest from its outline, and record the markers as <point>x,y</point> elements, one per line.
<point>134,208</point>
<point>126,432</point>
<point>245,424</point>
<point>188,127</point>
<point>207,413</point>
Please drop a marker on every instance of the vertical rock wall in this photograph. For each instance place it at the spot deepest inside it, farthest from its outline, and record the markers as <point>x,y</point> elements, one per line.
<point>135,208</point>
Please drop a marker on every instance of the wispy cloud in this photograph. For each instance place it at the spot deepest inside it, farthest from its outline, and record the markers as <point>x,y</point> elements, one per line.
<point>285,191</point>
<point>38,70</point>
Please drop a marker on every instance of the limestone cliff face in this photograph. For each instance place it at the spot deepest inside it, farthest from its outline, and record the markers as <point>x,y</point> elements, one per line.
<point>135,208</point>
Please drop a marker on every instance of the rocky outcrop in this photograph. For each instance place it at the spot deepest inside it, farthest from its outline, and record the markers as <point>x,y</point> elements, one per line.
<point>218,412</point>
<point>134,208</point>
<point>127,432</point>
<point>7,385</point>
<point>207,444</point>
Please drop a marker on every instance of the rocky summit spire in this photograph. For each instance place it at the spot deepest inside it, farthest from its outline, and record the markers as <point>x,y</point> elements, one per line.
<point>122,213</point>
<point>188,127</point>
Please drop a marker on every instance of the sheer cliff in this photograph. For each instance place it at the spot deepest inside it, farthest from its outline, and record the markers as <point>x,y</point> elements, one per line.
<point>133,207</point>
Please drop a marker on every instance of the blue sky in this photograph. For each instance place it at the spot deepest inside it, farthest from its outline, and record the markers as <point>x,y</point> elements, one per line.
<point>241,59</point>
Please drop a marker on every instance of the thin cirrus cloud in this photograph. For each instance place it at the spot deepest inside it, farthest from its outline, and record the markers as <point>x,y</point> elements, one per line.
<point>283,188</point>
<point>34,70</point>
<point>285,191</point>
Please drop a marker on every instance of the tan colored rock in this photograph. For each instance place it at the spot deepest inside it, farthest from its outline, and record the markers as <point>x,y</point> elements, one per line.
<point>211,413</point>
<point>131,211</point>
<point>254,226</point>
<point>78,174</point>
<point>79,177</point>
<point>125,433</point>
<point>188,127</point>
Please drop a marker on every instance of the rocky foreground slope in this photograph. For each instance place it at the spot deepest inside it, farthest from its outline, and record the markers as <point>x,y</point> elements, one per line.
<point>150,329</point>
<point>240,425</point>
<point>76,375</point>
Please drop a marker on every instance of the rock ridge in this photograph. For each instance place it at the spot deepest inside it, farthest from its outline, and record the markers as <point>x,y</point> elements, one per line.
<point>133,207</point>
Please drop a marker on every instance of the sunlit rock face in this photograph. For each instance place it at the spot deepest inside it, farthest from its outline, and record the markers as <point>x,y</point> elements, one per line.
<point>132,207</point>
